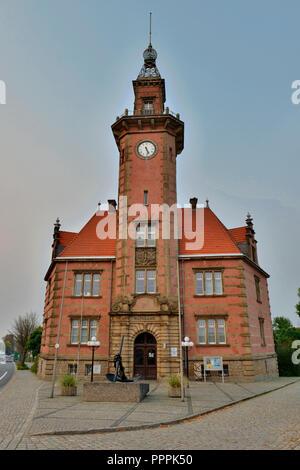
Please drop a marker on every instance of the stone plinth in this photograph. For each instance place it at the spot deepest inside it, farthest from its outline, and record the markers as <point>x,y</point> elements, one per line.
<point>115,392</point>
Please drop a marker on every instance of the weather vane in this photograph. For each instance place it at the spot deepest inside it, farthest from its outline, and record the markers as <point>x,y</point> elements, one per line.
<point>150,28</point>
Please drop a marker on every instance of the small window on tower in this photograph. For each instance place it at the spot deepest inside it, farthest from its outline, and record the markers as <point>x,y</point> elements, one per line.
<point>148,107</point>
<point>145,198</point>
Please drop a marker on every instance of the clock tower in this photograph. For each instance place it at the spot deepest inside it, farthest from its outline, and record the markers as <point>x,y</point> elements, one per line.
<point>145,301</point>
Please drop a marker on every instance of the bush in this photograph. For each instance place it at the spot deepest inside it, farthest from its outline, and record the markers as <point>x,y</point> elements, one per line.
<point>34,367</point>
<point>20,367</point>
<point>68,381</point>
<point>174,381</point>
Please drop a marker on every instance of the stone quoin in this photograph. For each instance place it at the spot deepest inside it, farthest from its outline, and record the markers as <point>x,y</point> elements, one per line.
<point>110,287</point>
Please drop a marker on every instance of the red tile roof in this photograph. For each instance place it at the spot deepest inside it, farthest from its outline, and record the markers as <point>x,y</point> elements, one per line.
<point>239,234</point>
<point>216,237</point>
<point>65,238</point>
<point>87,243</point>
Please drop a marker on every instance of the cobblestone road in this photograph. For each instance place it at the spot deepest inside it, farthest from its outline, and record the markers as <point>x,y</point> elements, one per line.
<point>270,421</point>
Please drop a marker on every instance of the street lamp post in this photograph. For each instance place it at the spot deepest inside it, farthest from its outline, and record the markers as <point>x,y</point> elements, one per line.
<point>186,344</point>
<point>93,344</point>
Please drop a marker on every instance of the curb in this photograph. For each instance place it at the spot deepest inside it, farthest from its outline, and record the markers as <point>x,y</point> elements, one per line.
<point>182,420</point>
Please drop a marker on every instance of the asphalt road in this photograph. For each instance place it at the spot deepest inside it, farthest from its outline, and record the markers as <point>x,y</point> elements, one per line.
<point>6,373</point>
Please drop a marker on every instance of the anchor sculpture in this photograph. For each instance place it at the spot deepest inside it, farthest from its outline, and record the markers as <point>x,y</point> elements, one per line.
<point>119,375</point>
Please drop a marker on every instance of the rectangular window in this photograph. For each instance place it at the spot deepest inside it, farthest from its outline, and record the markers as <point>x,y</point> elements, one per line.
<point>148,107</point>
<point>145,281</point>
<point>145,235</point>
<point>151,235</point>
<point>257,280</point>
<point>151,277</point>
<point>221,331</point>
<point>211,331</point>
<point>87,329</point>
<point>209,283</point>
<point>72,369</point>
<point>140,282</point>
<point>93,329</point>
<point>87,284</point>
<point>96,285</point>
<point>262,331</point>
<point>78,284</point>
<point>145,198</point>
<point>218,283</point>
<point>199,284</point>
<point>74,332</point>
<point>84,331</point>
<point>201,331</point>
<point>88,369</point>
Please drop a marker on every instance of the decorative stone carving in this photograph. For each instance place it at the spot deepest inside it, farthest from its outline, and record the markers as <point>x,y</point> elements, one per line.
<point>145,257</point>
<point>168,304</point>
<point>122,303</point>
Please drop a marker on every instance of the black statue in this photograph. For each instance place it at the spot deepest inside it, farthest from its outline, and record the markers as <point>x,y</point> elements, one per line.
<point>119,375</point>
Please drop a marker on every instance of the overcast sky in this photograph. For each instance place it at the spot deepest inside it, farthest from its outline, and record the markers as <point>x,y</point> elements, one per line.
<point>68,66</point>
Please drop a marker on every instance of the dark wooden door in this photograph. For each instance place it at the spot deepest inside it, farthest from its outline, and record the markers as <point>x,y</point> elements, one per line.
<point>145,356</point>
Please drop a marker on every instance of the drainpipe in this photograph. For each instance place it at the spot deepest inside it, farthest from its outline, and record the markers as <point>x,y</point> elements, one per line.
<point>180,335</point>
<point>110,307</point>
<point>79,342</point>
<point>183,314</point>
<point>58,334</point>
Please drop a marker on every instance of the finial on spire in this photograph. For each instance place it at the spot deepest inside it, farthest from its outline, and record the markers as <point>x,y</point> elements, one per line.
<point>149,69</point>
<point>150,32</point>
<point>249,220</point>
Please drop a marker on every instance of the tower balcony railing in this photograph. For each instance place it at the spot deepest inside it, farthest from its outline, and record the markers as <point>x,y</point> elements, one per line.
<point>147,112</point>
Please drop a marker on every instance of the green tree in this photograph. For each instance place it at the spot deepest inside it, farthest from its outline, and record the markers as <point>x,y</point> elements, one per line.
<point>284,335</point>
<point>22,328</point>
<point>298,304</point>
<point>34,341</point>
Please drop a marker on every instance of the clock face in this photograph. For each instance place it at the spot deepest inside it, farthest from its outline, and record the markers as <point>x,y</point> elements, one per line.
<point>146,149</point>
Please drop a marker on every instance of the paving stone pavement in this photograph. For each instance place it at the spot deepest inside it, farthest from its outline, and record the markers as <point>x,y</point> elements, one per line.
<point>266,422</point>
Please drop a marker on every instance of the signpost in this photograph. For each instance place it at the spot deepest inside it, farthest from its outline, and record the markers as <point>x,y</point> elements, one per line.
<point>186,344</point>
<point>93,344</point>
<point>213,363</point>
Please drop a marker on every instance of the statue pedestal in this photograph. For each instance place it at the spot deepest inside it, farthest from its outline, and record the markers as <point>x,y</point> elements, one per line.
<point>115,392</point>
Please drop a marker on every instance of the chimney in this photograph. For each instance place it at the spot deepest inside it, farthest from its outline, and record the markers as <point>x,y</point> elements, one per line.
<point>193,202</point>
<point>112,205</point>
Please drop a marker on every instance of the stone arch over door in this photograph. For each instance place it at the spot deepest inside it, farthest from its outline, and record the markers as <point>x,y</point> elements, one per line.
<point>145,355</point>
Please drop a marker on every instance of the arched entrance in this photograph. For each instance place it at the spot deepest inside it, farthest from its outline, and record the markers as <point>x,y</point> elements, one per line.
<point>145,362</point>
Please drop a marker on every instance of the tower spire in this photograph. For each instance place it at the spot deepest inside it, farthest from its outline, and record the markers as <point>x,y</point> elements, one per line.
<point>150,32</point>
<point>149,69</point>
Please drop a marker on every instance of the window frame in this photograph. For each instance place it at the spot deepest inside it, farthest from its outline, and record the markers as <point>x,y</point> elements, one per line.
<point>213,272</point>
<point>206,320</point>
<point>261,321</point>
<point>145,271</point>
<point>79,329</point>
<point>148,228</point>
<point>257,288</point>
<point>83,274</point>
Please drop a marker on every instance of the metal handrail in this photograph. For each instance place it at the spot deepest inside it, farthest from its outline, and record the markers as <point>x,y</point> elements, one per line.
<point>128,112</point>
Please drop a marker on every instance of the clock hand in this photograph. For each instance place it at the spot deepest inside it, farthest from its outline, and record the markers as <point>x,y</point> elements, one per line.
<point>147,150</point>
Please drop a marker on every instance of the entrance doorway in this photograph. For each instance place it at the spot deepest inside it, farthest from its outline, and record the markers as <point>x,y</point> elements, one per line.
<point>145,356</point>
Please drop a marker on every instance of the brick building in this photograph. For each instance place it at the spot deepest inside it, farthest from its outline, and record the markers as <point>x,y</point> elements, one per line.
<point>107,287</point>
